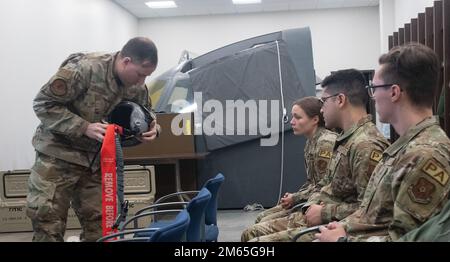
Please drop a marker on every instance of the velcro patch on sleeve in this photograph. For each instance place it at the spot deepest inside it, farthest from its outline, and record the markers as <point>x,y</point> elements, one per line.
<point>371,169</point>
<point>325,154</point>
<point>376,155</point>
<point>421,191</point>
<point>322,165</point>
<point>433,169</point>
<point>58,87</point>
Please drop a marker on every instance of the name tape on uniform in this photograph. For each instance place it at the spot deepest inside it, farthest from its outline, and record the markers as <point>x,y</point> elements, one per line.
<point>432,169</point>
<point>325,154</point>
<point>376,155</point>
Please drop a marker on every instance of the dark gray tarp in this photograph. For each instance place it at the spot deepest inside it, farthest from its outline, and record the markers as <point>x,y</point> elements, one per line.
<point>242,71</point>
<point>252,74</point>
<point>252,172</point>
<point>246,71</point>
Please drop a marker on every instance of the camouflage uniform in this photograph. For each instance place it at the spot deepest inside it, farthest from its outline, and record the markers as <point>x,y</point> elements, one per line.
<point>356,153</point>
<point>436,229</point>
<point>317,154</point>
<point>410,185</point>
<point>84,90</point>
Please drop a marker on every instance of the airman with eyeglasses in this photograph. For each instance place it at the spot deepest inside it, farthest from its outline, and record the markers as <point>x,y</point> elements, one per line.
<point>350,164</point>
<point>324,99</point>
<point>412,181</point>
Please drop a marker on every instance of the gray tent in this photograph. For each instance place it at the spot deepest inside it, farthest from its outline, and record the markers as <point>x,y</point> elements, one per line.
<point>273,67</point>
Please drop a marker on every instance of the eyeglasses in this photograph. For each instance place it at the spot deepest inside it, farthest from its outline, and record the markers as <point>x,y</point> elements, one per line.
<point>324,99</point>
<point>371,88</point>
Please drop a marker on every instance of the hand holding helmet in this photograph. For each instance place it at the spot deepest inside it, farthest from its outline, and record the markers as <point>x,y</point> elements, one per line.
<point>138,122</point>
<point>151,134</point>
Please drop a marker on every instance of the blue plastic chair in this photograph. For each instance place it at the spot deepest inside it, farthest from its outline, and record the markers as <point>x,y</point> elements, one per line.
<point>196,209</point>
<point>170,232</point>
<point>212,230</point>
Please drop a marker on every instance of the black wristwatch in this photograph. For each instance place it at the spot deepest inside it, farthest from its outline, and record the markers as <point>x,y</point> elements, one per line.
<point>342,239</point>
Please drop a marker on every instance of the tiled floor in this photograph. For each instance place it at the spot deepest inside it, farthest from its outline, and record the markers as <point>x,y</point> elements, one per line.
<point>231,224</point>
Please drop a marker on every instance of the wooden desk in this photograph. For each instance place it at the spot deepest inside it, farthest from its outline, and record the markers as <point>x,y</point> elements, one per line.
<point>168,149</point>
<point>164,159</point>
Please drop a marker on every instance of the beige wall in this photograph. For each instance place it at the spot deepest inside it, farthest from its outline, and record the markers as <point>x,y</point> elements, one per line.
<point>342,38</point>
<point>36,36</point>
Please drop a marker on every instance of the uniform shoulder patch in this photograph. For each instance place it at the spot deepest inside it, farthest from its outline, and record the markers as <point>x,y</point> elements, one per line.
<point>322,165</point>
<point>421,191</point>
<point>376,155</point>
<point>432,169</point>
<point>371,169</point>
<point>325,154</point>
<point>58,87</point>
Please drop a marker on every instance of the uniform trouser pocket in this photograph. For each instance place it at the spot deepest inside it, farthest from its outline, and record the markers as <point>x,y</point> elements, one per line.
<point>50,187</point>
<point>41,187</point>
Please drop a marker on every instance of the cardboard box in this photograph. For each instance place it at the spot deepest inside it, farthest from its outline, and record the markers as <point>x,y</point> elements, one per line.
<point>140,191</point>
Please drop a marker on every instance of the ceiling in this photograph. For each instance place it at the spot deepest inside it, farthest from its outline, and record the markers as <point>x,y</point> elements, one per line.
<point>213,7</point>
